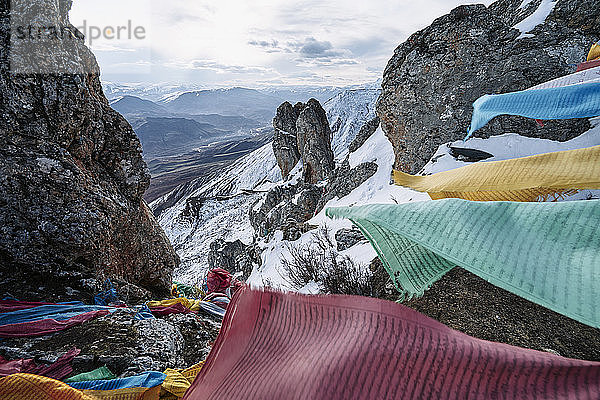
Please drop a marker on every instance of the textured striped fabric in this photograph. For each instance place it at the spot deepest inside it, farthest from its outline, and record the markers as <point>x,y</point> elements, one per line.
<point>34,387</point>
<point>288,346</point>
<point>102,373</point>
<point>15,305</point>
<point>46,326</point>
<point>141,387</point>
<point>543,176</point>
<point>544,252</point>
<point>58,312</point>
<point>57,370</point>
<point>588,65</point>
<point>575,101</point>
<point>187,303</point>
<point>178,381</point>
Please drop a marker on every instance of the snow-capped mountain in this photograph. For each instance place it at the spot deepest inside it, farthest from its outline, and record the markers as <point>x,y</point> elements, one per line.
<point>153,92</point>
<point>204,211</point>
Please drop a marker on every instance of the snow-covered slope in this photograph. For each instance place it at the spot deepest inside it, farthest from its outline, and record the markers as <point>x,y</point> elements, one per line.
<point>223,214</point>
<point>191,235</point>
<point>347,112</point>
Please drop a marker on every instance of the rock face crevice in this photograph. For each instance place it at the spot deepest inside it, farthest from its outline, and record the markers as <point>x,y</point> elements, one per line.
<point>433,78</point>
<point>71,180</point>
<point>302,132</point>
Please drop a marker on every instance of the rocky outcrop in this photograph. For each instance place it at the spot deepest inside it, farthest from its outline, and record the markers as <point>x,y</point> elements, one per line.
<point>71,179</point>
<point>364,133</point>
<point>344,180</point>
<point>433,78</point>
<point>285,208</point>
<point>285,142</point>
<point>235,257</point>
<point>314,142</point>
<point>302,132</point>
<point>123,344</point>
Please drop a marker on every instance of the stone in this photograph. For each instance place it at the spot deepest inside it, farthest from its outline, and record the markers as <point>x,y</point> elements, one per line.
<point>344,180</point>
<point>347,238</point>
<point>72,179</point>
<point>433,78</point>
<point>285,208</point>
<point>235,257</point>
<point>314,142</point>
<point>125,345</point>
<point>285,144</point>
<point>302,132</point>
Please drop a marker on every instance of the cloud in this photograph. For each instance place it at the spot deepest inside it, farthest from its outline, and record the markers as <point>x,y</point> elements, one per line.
<point>220,68</point>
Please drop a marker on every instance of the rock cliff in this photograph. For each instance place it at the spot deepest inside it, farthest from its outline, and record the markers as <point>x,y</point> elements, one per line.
<point>433,78</point>
<point>302,132</point>
<point>71,180</point>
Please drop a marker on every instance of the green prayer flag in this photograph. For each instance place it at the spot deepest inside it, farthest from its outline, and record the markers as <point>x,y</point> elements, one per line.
<point>100,374</point>
<point>548,253</point>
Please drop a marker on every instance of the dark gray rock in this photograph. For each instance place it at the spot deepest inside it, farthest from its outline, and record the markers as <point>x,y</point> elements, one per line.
<point>344,180</point>
<point>302,132</point>
<point>347,238</point>
<point>234,257</point>
<point>126,346</point>
<point>285,208</point>
<point>71,179</point>
<point>285,145</point>
<point>433,78</point>
<point>314,142</point>
<point>365,133</point>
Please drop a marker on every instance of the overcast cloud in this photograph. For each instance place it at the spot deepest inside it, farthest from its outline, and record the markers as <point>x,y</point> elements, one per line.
<point>236,42</point>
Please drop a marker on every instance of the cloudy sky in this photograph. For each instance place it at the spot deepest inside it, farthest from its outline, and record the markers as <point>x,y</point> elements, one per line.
<point>251,43</point>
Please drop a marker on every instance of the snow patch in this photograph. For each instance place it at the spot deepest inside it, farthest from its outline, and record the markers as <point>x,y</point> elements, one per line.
<point>537,18</point>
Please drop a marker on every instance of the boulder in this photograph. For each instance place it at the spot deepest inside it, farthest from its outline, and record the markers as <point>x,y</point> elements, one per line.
<point>123,344</point>
<point>234,257</point>
<point>285,144</point>
<point>314,142</point>
<point>72,178</point>
<point>302,132</point>
<point>433,78</point>
<point>285,208</point>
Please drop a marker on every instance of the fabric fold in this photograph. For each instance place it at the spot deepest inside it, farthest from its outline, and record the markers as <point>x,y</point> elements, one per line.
<point>574,101</point>
<point>544,252</point>
<point>275,345</point>
<point>539,177</point>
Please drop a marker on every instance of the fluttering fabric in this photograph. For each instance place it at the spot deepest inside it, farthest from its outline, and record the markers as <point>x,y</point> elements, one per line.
<point>594,53</point>
<point>191,305</point>
<point>16,305</point>
<point>102,373</point>
<point>540,177</point>
<point>218,280</point>
<point>178,381</point>
<point>57,370</point>
<point>35,387</point>
<point>212,309</point>
<point>274,345</point>
<point>108,296</point>
<point>140,387</point>
<point>47,319</point>
<point>587,65</point>
<point>574,101</point>
<point>544,252</point>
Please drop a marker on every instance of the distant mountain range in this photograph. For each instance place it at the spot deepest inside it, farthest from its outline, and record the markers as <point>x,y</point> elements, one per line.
<point>255,104</point>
